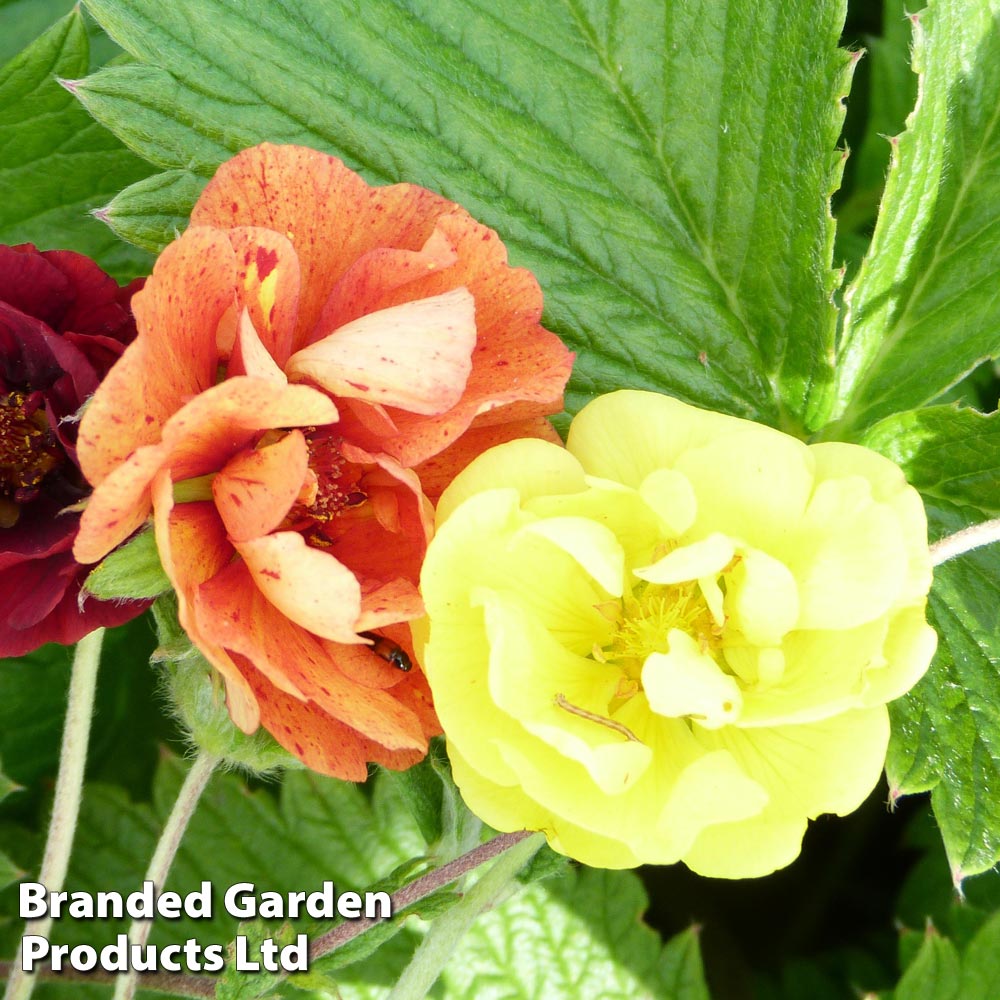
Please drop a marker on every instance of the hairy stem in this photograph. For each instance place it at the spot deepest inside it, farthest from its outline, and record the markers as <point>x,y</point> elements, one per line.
<point>448,929</point>
<point>163,857</point>
<point>965,541</point>
<point>69,788</point>
<point>419,889</point>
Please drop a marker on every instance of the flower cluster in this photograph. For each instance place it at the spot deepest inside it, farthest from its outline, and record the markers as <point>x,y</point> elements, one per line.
<point>63,324</point>
<point>315,359</point>
<point>675,639</point>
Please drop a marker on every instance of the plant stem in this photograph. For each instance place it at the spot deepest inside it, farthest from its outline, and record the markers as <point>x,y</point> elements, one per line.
<point>965,541</point>
<point>172,983</point>
<point>163,857</point>
<point>69,788</point>
<point>419,889</point>
<point>447,930</point>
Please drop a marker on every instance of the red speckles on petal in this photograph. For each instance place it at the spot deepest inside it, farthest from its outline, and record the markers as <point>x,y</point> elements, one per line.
<point>267,261</point>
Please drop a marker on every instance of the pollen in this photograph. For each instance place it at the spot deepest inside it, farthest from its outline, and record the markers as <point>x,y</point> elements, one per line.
<point>339,488</point>
<point>28,449</point>
<point>646,618</point>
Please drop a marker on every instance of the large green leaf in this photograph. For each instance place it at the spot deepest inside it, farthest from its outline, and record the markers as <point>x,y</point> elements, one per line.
<point>923,310</point>
<point>638,157</point>
<point>56,163</point>
<point>950,454</point>
<point>946,732</point>
<point>594,946</point>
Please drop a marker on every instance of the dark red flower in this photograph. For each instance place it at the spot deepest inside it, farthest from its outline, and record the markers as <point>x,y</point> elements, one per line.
<point>63,324</point>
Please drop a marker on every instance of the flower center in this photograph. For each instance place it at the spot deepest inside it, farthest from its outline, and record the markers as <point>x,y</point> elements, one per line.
<point>28,452</point>
<point>645,618</point>
<point>338,482</point>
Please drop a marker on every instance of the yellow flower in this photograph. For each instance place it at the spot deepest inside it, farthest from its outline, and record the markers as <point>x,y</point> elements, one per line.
<point>675,639</point>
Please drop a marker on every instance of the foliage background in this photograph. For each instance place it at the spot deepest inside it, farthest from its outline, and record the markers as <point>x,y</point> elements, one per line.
<point>850,914</point>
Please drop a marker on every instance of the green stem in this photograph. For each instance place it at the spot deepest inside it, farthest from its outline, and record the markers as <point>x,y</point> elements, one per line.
<point>163,857</point>
<point>69,788</point>
<point>447,930</point>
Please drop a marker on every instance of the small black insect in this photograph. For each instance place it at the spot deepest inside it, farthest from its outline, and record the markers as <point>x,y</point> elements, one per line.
<point>390,651</point>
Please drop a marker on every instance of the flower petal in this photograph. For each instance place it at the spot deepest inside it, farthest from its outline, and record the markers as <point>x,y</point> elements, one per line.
<point>687,682</point>
<point>267,274</point>
<point>533,468</point>
<point>850,557</point>
<point>415,356</point>
<point>308,585</point>
<point>706,558</point>
<point>256,489</point>
<point>175,358</point>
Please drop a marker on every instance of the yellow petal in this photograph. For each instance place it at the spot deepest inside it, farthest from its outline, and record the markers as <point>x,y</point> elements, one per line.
<point>626,435</point>
<point>835,459</point>
<point>712,789</point>
<point>688,682</point>
<point>909,648</point>
<point>592,545</point>
<point>670,494</point>
<point>559,697</point>
<point>824,675</point>
<point>850,559</point>
<point>762,600</point>
<point>529,466</point>
<point>752,485</point>
<point>690,562</point>
<point>829,766</point>
<point>749,848</point>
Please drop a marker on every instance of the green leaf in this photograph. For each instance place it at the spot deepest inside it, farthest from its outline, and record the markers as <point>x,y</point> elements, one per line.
<point>7,786</point>
<point>9,872</point>
<point>949,454</point>
<point>133,570</point>
<point>981,963</point>
<point>650,191</point>
<point>594,945</point>
<point>152,211</point>
<point>934,973</point>
<point>56,163</point>
<point>946,731</point>
<point>923,311</point>
<point>892,92</point>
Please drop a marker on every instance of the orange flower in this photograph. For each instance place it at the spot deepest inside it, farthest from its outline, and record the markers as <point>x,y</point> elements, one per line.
<point>306,350</point>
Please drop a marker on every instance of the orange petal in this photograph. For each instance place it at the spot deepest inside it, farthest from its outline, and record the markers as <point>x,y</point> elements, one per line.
<point>415,356</point>
<point>370,282</point>
<point>308,585</point>
<point>118,506</point>
<point>173,358</point>
<point>233,614</point>
<point>412,512</point>
<point>225,419</point>
<point>282,188</point>
<point>519,368</point>
<point>193,547</point>
<point>256,489</point>
<point>395,601</point>
<point>269,278</point>
<point>248,354</point>
<point>320,741</point>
